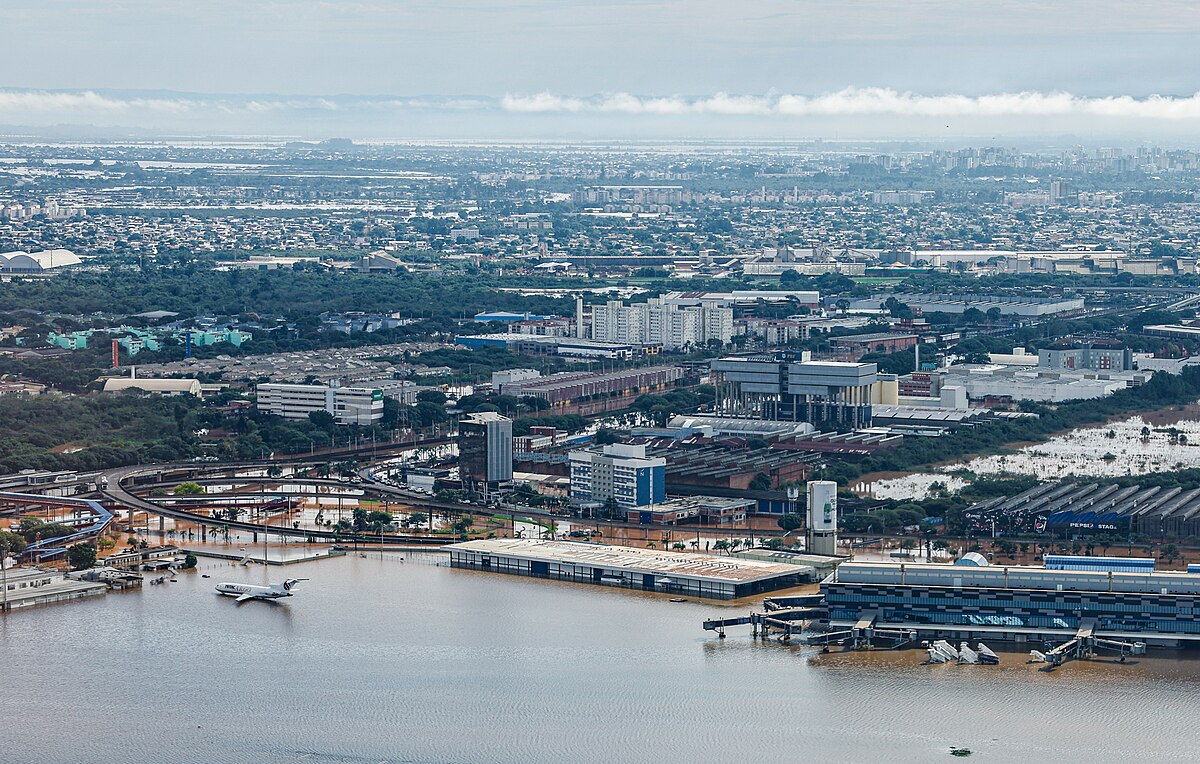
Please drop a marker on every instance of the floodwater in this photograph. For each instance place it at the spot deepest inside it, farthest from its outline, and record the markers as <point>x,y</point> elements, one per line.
<point>1133,446</point>
<point>378,660</point>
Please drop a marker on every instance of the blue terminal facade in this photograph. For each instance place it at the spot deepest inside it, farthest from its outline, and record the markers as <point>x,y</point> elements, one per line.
<point>1016,602</point>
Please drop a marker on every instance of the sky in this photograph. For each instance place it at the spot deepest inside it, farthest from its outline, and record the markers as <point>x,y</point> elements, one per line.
<point>574,68</point>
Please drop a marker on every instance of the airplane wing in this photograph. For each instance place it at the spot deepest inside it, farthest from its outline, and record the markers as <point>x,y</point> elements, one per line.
<point>244,597</point>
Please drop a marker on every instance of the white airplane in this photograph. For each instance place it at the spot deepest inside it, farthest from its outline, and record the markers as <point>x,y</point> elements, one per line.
<point>245,592</point>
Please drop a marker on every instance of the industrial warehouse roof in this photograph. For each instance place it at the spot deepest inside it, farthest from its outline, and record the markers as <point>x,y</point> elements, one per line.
<point>739,426</point>
<point>1090,501</point>
<point>706,567</point>
<point>45,260</point>
<point>928,414</point>
<point>568,379</point>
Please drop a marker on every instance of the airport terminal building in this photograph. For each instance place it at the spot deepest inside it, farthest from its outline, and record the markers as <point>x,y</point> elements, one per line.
<point>1019,603</point>
<point>657,570</point>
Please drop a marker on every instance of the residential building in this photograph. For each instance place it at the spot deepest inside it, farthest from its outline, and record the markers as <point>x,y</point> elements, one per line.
<point>1095,359</point>
<point>773,331</point>
<point>662,322</point>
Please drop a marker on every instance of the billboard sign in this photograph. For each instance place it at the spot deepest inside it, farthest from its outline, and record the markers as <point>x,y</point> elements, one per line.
<point>822,505</point>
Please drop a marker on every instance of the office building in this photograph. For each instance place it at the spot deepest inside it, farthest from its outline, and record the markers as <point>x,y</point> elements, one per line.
<point>774,387</point>
<point>348,405</point>
<point>484,450</point>
<point>1111,600</point>
<point>622,473</point>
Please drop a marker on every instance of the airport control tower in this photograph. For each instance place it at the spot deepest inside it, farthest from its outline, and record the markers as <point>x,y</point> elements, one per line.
<point>822,517</point>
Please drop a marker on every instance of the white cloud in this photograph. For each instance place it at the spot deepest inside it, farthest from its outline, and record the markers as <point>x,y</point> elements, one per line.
<point>870,101</point>
<point>19,106</point>
<point>42,101</point>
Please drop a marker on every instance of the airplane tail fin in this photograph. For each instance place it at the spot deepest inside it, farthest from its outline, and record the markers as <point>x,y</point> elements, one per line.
<point>290,583</point>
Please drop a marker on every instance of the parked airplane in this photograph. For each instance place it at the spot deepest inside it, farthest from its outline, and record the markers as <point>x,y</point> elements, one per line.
<point>245,592</point>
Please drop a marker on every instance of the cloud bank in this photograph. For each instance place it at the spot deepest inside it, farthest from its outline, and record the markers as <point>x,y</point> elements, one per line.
<point>868,101</point>
<point>850,102</point>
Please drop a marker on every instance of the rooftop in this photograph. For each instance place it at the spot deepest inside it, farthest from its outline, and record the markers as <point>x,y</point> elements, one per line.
<point>631,559</point>
<point>1016,577</point>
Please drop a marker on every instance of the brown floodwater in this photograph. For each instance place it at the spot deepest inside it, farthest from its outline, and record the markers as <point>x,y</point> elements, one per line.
<point>381,660</point>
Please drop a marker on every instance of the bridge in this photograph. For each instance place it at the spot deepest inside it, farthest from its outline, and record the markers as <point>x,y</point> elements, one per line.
<point>117,492</point>
<point>52,547</point>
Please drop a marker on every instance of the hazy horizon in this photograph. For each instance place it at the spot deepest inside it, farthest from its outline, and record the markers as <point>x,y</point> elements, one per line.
<point>692,69</point>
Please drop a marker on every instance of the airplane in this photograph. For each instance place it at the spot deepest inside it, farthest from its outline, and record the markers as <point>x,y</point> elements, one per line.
<point>245,592</point>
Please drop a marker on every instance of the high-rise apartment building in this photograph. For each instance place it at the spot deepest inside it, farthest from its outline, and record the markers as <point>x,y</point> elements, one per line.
<point>660,322</point>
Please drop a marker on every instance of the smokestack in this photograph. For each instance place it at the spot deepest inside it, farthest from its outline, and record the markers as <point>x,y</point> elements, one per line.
<point>116,361</point>
<point>579,316</point>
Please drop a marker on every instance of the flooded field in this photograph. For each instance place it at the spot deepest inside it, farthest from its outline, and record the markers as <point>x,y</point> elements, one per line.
<point>1158,442</point>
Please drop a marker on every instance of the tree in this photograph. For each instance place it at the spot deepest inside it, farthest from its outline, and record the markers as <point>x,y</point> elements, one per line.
<point>322,419</point>
<point>1169,552</point>
<point>761,482</point>
<point>605,436</point>
<point>436,397</point>
<point>790,522</point>
<point>463,526</point>
<point>189,488</point>
<point>378,519</point>
<point>11,544</point>
<point>189,561</point>
<point>721,545</point>
<point>81,556</point>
